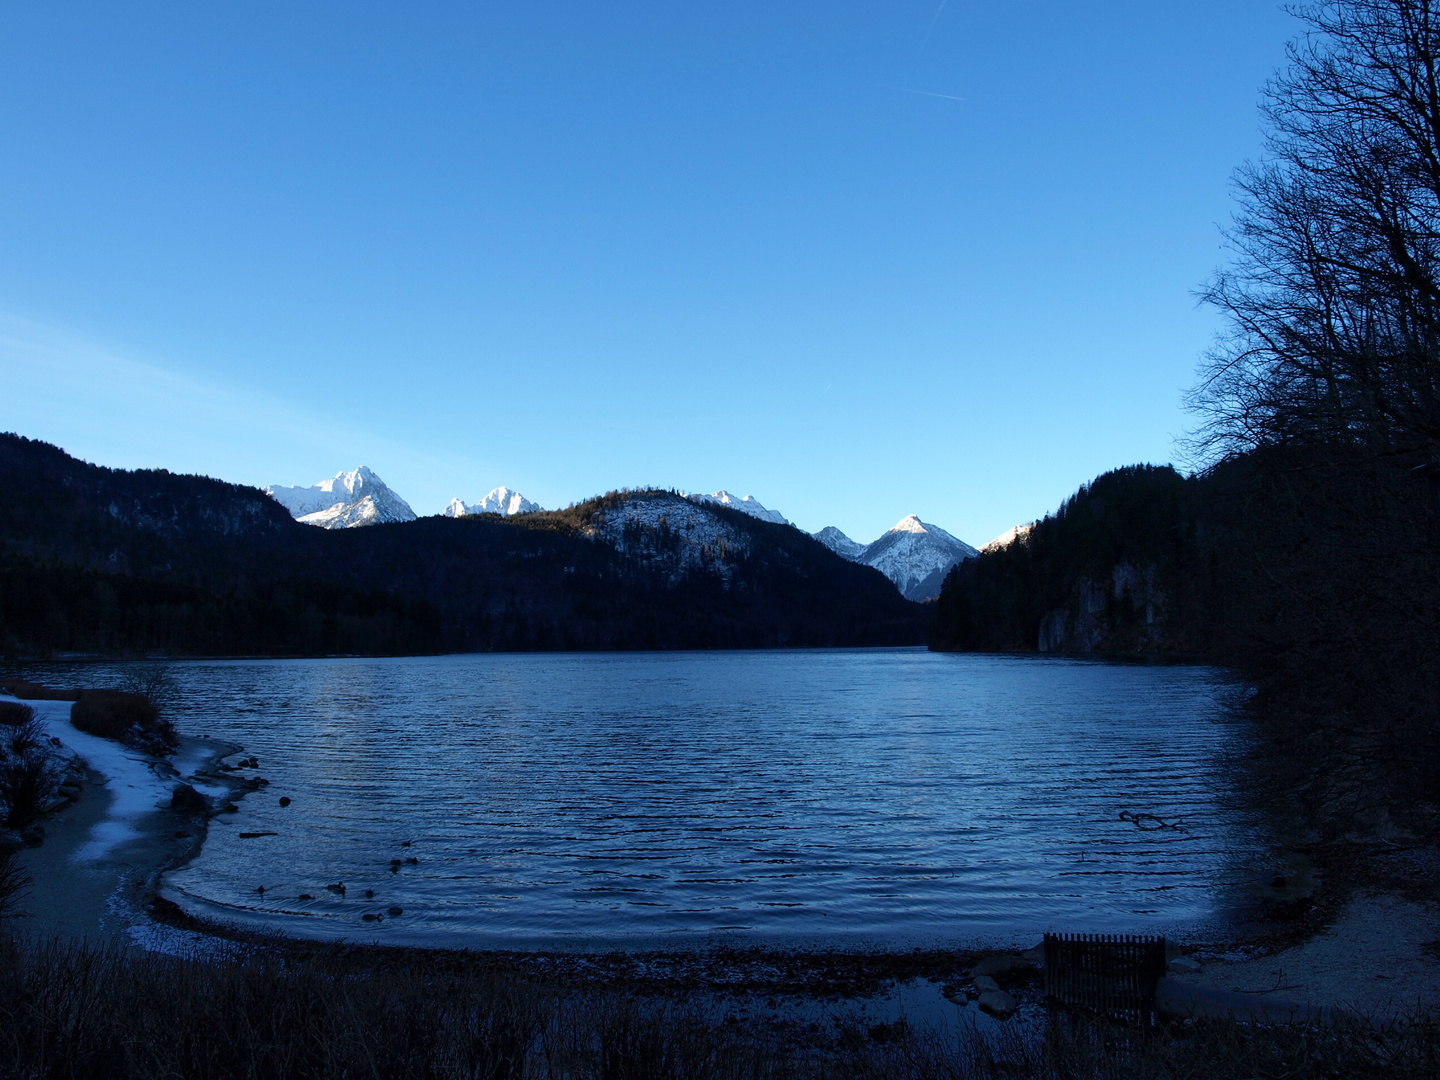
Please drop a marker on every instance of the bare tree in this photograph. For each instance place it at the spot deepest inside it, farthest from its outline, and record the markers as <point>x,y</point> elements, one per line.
<point>1333,298</point>
<point>151,679</point>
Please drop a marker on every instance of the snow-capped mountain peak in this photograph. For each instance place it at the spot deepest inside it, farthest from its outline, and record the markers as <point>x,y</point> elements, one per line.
<point>748,505</point>
<point>914,554</point>
<point>501,500</point>
<point>346,500</point>
<point>912,523</point>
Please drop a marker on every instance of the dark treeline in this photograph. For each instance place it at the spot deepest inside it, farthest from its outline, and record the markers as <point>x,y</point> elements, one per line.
<point>1313,572</point>
<point>1307,553</point>
<point>112,561</point>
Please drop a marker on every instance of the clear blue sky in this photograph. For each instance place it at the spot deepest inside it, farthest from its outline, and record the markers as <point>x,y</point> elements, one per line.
<point>858,259</point>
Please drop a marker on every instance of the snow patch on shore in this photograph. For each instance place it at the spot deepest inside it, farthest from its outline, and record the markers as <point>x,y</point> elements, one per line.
<point>134,788</point>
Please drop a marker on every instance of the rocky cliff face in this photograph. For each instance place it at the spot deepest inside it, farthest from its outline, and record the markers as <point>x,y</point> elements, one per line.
<point>1122,568</point>
<point>1122,614</point>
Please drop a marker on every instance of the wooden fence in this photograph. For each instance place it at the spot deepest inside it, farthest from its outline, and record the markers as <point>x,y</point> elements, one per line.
<point>1114,974</point>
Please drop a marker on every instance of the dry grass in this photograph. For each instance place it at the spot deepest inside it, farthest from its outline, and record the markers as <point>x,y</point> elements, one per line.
<point>69,1011</point>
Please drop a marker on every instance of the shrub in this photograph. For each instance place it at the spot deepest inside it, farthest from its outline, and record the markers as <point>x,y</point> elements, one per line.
<point>13,714</point>
<point>21,739</point>
<point>112,714</point>
<point>27,774</point>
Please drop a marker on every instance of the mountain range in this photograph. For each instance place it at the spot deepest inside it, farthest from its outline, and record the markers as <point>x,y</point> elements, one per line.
<point>913,554</point>
<point>124,562</point>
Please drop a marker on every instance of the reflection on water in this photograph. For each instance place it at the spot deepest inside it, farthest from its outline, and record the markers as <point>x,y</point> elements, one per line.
<point>877,796</point>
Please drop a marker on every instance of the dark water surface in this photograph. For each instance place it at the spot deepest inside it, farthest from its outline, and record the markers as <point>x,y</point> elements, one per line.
<point>879,797</point>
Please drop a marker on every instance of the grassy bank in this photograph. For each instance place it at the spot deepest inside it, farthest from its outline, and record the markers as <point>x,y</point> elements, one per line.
<point>71,1010</point>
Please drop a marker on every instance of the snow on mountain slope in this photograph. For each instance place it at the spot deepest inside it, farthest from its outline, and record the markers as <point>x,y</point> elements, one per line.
<point>914,555</point>
<point>1008,537</point>
<point>673,531</point>
<point>748,505</point>
<point>839,543</point>
<point>346,500</point>
<point>500,501</point>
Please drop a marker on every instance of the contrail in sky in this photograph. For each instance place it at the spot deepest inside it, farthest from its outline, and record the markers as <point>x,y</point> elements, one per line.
<point>930,93</point>
<point>931,29</point>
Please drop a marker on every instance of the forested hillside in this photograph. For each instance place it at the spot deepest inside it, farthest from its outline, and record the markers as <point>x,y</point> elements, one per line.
<point>114,561</point>
<point>1119,569</point>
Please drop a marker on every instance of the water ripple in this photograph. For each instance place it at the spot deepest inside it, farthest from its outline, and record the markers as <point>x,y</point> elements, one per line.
<point>878,796</point>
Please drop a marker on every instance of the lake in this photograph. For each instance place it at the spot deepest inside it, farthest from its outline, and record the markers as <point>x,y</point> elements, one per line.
<point>860,798</point>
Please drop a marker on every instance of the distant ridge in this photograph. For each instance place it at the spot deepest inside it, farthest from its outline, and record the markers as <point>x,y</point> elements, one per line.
<point>748,505</point>
<point>501,500</point>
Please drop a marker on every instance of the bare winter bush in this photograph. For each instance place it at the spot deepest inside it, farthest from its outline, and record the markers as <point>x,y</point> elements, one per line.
<point>28,773</point>
<point>153,681</point>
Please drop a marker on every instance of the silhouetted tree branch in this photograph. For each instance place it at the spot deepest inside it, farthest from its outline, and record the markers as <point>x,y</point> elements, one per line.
<point>1333,298</point>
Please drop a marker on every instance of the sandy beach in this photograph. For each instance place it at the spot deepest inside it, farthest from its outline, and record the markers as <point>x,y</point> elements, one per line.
<point>1380,959</point>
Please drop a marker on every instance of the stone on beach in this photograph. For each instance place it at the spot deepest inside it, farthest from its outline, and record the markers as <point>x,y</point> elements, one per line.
<point>997,1003</point>
<point>1003,966</point>
<point>188,801</point>
<point>1184,965</point>
<point>985,984</point>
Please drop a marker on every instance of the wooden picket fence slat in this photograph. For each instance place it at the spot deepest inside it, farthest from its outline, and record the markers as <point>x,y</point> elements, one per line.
<point>1113,974</point>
